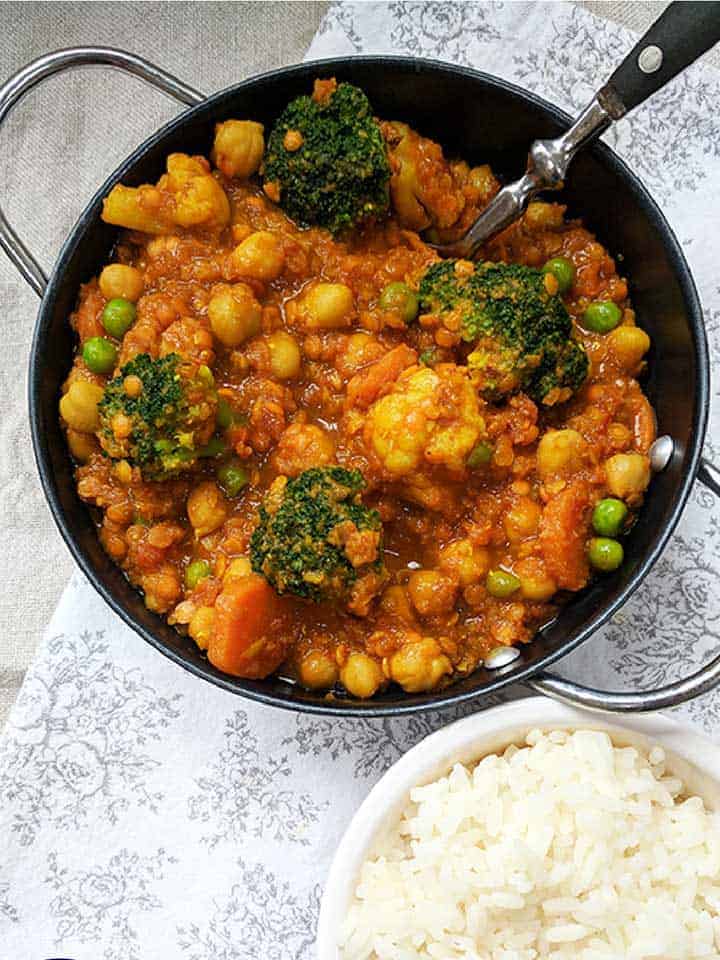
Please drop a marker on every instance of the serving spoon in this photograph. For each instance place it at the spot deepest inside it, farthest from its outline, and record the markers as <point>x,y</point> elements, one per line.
<point>678,37</point>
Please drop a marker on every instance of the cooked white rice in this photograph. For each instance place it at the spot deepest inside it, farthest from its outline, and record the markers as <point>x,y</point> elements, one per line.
<point>568,848</point>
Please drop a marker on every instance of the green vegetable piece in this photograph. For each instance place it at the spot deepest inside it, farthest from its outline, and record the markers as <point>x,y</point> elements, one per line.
<point>521,335</point>
<point>602,316</point>
<point>428,357</point>
<point>118,316</point>
<point>297,545</point>
<point>563,269</point>
<point>608,517</point>
<point>501,584</point>
<point>401,298</point>
<point>213,448</point>
<point>339,175</point>
<point>224,418</point>
<point>99,355</point>
<point>480,455</point>
<point>195,572</point>
<point>173,416</point>
<point>605,554</point>
<point>232,478</point>
<point>205,375</point>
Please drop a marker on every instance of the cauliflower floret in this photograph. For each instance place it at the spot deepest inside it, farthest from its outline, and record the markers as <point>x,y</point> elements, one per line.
<point>186,196</point>
<point>430,416</point>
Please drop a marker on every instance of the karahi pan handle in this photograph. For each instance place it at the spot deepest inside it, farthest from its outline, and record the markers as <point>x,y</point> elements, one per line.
<point>644,701</point>
<point>48,65</point>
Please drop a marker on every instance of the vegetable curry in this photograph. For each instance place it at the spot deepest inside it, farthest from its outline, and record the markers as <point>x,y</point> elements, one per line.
<point>319,449</point>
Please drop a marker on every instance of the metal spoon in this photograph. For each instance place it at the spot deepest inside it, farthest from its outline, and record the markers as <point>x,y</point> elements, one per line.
<point>682,33</point>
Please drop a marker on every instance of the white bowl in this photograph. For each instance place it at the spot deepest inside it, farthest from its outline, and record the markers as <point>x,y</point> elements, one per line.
<point>694,757</point>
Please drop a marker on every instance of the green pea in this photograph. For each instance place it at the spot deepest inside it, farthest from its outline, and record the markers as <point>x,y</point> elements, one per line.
<point>213,448</point>
<point>602,316</point>
<point>205,375</point>
<point>398,296</point>
<point>480,455</point>
<point>232,478</point>
<point>118,316</point>
<point>428,357</point>
<point>99,355</point>
<point>224,416</point>
<point>609,516</point>
<point>195,572</point>
<point>605,554</point>
<point>501,584</point>
<point>563,270</point>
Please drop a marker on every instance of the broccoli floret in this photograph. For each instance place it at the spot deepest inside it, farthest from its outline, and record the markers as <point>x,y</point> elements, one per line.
<point>171,414</point>
<point>521,335</point>
<point>315,536</point>
<point>326,162</point>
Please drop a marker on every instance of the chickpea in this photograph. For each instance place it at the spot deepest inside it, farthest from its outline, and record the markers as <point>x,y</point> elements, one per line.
<point>82,445</point>
<point>238,568</point>
<point>118,280</point>
<point>285,360</point>
<point>560,453</point>
<point>628,475</point>
<point>522,520</point>
<point>535,582</point>
<point>234,314</point>
<point>238,148</point>
<point>628,345</point>
<point>259,257</point>
<point>361,675</point>
<point>318,671</point>
<point>431,592</point>
<point>78,407</point>
<point>206,508</point>
<point>419,665</point>
<point>201,626</point>
<point>327,306</point>
<point>465,562</point>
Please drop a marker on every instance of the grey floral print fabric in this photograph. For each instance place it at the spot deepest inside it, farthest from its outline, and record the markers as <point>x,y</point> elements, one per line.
<point>148,816</point>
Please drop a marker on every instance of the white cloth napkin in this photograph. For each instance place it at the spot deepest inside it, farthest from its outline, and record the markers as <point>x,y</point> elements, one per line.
<point>145,815</point>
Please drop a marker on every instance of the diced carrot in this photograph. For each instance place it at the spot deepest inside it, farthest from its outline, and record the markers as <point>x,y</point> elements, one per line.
<point>366,386</point>
<point>563,533</point>
<point>86,320</point>
<point>250,635</point>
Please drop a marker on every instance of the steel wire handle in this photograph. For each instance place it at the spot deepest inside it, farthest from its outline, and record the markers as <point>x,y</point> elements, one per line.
<point>48,65</point>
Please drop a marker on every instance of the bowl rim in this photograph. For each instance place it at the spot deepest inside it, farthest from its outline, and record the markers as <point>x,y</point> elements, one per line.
<point>432,754</point>
<point>411,703</point>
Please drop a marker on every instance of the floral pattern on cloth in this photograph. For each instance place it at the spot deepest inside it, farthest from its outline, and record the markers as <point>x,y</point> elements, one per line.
<point>148,815</point>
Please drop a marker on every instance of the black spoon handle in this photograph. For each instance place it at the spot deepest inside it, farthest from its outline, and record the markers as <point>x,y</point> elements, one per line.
<point>677,38</point>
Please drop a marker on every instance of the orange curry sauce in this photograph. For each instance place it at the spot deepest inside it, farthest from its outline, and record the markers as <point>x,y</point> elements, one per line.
<point>309,383</point>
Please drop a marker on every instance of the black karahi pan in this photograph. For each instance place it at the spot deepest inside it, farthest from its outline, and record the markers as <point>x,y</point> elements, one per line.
<point>484,120</point>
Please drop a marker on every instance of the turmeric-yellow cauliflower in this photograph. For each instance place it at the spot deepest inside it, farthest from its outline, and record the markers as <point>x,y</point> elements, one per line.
<point>186,196</point>
<point>430,417</point>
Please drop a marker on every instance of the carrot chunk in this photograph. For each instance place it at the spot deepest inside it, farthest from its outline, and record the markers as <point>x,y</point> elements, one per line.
<point>366,386</point>
<point>563,533</point>
<point>250,636</point>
